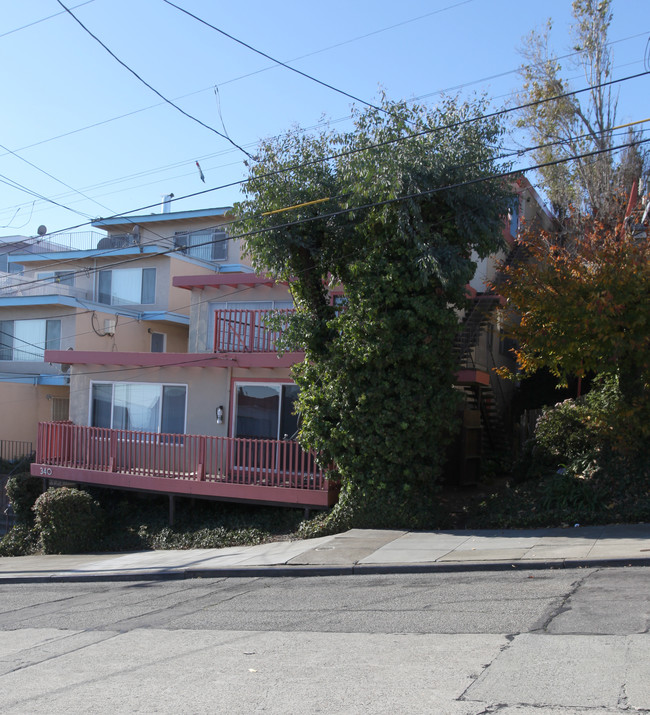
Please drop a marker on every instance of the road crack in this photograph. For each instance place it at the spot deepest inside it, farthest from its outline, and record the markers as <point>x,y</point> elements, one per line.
<point>563,606</point>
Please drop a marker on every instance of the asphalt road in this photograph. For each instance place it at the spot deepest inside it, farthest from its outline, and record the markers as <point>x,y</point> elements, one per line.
<point>558,642</point>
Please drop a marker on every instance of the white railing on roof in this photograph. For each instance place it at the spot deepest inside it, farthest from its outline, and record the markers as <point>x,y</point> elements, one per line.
<point>58,242</point>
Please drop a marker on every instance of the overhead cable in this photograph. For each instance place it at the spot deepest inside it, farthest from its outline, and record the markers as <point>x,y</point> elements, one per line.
<point>153,89</point>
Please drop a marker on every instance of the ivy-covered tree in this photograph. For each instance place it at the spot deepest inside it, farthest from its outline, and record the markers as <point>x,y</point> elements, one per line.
<point>393,212</point>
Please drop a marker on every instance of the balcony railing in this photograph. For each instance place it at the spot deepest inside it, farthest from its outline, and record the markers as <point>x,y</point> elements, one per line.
<point>14,285</point>
<point>72,241</point>
<point>193,458</point>
<point>245,331</point>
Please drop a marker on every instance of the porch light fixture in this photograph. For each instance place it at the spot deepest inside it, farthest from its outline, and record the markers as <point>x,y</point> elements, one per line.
<point>220,415</point>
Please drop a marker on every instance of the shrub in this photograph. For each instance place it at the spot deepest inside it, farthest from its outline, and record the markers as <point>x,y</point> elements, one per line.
<point>583,428</point>
<point>563,432</point>
<point>21,540</point>
<point>205,538</point>
<point>23,491</point>
<point>68,521</point>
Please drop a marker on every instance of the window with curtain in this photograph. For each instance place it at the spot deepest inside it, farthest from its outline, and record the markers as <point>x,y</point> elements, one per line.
<point>142,407</point>
<point>210,245</point>
<point>127,286</point>
<point>28,339</point>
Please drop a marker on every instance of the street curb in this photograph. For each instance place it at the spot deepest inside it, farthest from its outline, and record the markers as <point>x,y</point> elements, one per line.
<point>285,571</point>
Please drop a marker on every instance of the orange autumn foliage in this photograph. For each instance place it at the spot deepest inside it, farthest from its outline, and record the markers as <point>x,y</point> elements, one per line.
<point>581,306</point>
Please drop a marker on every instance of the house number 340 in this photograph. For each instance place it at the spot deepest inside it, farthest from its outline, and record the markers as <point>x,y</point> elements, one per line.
<point>46,471</point>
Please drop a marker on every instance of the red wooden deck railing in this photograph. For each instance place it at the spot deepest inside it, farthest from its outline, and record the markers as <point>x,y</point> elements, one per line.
<point>244,331</point>
<point>279,465</point>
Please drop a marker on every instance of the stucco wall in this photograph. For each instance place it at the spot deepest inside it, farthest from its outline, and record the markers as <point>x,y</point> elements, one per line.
<point>129,334</point>
<point>23,407</point>
<point>207,389</point>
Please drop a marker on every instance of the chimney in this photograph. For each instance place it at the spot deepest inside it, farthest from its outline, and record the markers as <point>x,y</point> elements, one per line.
<point>167,203</point>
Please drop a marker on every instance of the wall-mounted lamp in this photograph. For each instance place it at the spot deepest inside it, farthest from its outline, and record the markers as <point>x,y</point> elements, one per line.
<point>220,415</point>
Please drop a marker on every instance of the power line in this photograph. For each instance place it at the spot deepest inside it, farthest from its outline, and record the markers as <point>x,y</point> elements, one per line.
<point>364,207</point>
<point>408,197</point>
<point>349,152</point>
<point>43,19</point>
<point>47,173</point>
<point>15,185</point>
<point>388,142</point>
<point>153,89</point>
<point>276,61</point>
<point>424,96</point>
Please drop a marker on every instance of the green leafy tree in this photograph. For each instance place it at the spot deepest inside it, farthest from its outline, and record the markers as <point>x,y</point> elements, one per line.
<point>580,124</point>
<point>376,386</point>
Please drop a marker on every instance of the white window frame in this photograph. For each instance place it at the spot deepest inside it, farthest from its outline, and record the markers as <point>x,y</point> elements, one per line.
<point>208,238</point>
<point>26,347</point>
<point>161,385</point>
<point>133,271</point>
<point>244,383</point>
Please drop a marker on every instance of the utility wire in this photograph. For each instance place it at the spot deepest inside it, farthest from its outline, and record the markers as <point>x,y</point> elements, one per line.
<point>349,152</point>
<point>43,19</point>
<point>429,130</point>
<point>153,89</point>
<point>276,61</point>
<point>363,207</point>
<point>448,89</point>
<point>47,173</point>
<point>15,185</point>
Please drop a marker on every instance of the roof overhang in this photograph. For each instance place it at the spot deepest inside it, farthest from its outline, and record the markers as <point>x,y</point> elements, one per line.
<point>127,222</point>
<point>163,316</point>
<point>124,359</point>
<point>221,280</point>
<point>81,255</point>
<point>40,300</point>
<point>60,380</point>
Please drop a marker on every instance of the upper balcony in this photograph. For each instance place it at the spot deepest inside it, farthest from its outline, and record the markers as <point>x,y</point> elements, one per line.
<point>247,331</point>
<point>14,285</point>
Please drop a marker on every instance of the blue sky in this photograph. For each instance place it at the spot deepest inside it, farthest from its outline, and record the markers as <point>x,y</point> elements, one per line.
<point>99,142</point>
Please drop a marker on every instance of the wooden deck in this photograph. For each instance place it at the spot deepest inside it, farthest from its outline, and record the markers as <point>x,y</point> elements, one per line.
<point>227,468</point>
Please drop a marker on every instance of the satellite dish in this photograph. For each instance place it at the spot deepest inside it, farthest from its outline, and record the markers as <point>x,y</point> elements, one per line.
<point>41,230</point>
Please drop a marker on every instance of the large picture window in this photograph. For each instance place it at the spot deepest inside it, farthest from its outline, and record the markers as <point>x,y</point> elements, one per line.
<point>265,411</point>
<point>28,339</point>
<point>142,407</point>
<point>127,286</point>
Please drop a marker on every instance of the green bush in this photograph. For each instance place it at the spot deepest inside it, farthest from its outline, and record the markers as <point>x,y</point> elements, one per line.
<point>564,432</point>
<point>21,540</point>
<point>23,490</point>
<point>205,538</point>
<point>581,428</point>
<point>68,521</point>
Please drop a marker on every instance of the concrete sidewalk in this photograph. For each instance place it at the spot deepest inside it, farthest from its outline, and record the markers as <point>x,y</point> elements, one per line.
<point>357,551</point>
